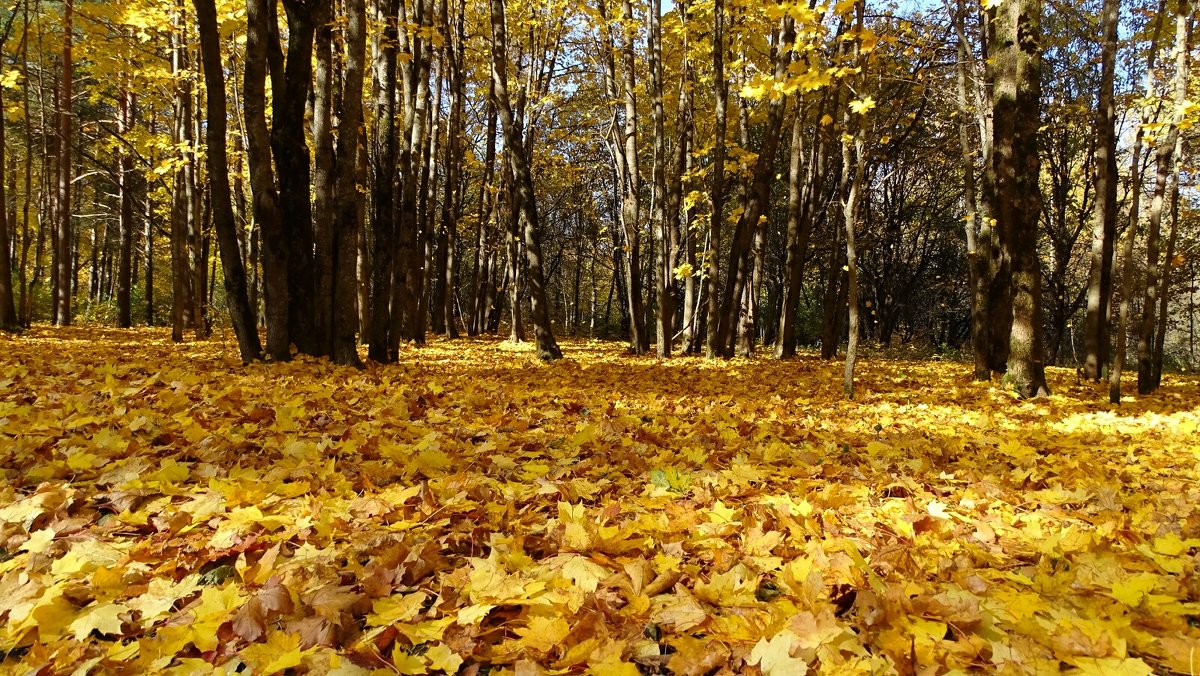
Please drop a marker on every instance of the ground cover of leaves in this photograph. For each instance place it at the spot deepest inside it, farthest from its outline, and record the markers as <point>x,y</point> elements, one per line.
<point>163,508</point>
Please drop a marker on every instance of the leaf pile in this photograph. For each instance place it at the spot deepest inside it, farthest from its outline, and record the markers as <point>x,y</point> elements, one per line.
<point>164,509</point>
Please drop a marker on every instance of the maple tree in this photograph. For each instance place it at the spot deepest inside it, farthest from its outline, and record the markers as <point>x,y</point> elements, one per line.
<point>672,215</point>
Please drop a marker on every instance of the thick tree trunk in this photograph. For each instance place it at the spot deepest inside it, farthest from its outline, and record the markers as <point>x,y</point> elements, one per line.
<point>1017,111</point>
<point>323,180</point>
<point>262,181</point>
<point>383,214</point>
<point>547,346</point>
<point>240,312</point>
<point>291,84</point>
<point>347,214</point>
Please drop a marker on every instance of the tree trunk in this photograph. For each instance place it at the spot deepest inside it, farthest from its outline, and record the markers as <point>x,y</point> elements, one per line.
<point>757,200</point>
<point>854,160</point>
<point>323,180</point>
<point>664,289</point>
<point>979,249</point>
<point>1104,230</point>
<point>125,179</point>
<point>712,347</point>
<point>797,245</point>
<point>1168,263</point>
<point>262,181</point>
<point>452,196</point>
<point>1017,107</point>
<point>481,273</point>
<point>547,347</point>
<point>385,146</point>
<point>347,221</point>
<point>1164,165</point>
<point>240,312</point>
<point>8,307</point>
<point>291,83</point>
<point>182,295</point>
<point>1135,192</point>
<point>64,272</point>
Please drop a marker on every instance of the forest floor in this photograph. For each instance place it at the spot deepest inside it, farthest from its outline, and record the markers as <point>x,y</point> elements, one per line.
<point>470,508</point>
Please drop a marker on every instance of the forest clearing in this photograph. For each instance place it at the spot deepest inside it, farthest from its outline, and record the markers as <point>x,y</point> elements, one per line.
<point>470,508</point>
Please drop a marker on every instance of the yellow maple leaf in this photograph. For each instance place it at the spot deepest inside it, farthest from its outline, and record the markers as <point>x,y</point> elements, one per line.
<point>280,651</point>
<point>774,656</point>
<point>443,659</point>
<point>543,632</point>
<point>39,541</point>
<point>102,617</point>
<point>863,105</point>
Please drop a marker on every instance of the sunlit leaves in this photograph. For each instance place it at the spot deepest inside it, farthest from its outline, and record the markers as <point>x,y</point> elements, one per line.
<point>166,508</point>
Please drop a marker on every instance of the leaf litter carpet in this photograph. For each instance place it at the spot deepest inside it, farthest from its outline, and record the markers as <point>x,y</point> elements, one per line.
<point>164,509</point>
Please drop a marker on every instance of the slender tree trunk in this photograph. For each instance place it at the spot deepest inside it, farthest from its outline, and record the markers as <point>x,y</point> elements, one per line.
<point>1135,192</point>
<point>1017,106</point>
<point>182,204</point>
<point>1168,263</point>
<point>148,275</point>
<point>797,244</point>
<point>664,289</point>
<point>1104,230</point>
<point>481,273</point>
<point>197,211</point>
<point>1164,165</point>
<point>240,312</point>
<point>757,200</point>
<point>125,180</point>
<point>854,161</point>
<point>8,307</point>
<point>547,346</point>
<point>452,197</point>
<point>712,347</point>
<point>832,303</point>
<point>64,272</point>
<point>639,339</point>
<point>408,285</point>
<point>513,259</point>
<point>979,253</point>
<point>26,300</point>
